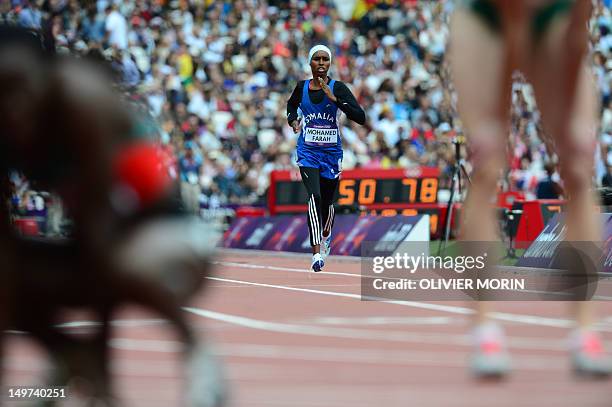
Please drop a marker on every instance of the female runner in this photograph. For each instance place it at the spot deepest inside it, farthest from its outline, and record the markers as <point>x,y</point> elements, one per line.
<point>320,101</point>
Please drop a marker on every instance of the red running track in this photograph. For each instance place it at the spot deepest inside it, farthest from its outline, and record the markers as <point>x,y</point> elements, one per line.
<point>289,337</point>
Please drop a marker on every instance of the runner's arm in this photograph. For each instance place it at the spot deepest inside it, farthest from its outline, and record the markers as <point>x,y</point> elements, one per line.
<point>348,104</point>
<point>294,102</point>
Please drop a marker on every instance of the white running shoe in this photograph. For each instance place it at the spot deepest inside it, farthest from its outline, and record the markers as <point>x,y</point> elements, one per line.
<point>490,357</point>
<point>588,355</point>
<point>317,262</point>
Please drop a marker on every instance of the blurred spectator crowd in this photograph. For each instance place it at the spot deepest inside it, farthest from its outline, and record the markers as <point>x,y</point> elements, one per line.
<point>216,76</point>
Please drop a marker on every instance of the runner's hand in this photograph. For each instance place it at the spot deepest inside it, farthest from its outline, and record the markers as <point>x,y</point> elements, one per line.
<point>327,90</point>
<point>296,125</point>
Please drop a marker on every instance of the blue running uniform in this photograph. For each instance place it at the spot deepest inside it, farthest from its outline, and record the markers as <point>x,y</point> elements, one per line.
<point>319,144</point>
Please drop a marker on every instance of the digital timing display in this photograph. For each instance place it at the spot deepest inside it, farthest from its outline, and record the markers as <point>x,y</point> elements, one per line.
<point>372,189</point>
<point>366,191</point>
<point>384,192</point>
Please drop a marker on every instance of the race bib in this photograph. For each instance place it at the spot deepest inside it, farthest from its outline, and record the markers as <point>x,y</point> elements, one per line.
<point>320,136</point>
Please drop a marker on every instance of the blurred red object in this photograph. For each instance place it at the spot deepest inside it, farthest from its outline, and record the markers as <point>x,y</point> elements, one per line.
<point>281,49</point>
<point>250,212</point>
<point>141,168</point>
<point>507,199</point>
<point>27,226</point>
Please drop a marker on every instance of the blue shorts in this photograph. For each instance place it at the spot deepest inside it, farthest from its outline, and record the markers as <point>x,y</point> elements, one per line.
<point>329,162</point>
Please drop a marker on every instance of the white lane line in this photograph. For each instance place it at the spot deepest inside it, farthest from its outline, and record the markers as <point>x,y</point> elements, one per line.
<point>380,320</point>
<point>159,369</point>
<point>370,334</point>
<point>502,316</point>
<point>275,268</point>
<point>167,346</point>
<point>352,355</point>
<point>281,327</point>
<point>117,322</point>
<point>147,345</point>
<point>375,356</point>
<point>162,368</point>
<point>289,399</point>
<point>152,345</point>
<point>424,305</point>
<point>250,254</point>
<point>294,270</point>
<point>128,323</point>
<point>293,285</point>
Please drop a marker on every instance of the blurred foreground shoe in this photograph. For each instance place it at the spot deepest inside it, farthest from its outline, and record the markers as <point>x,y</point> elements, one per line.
<point>490,358</point>
<point>317,262</point>
<point>588,355</point>
<point>206,385</point>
